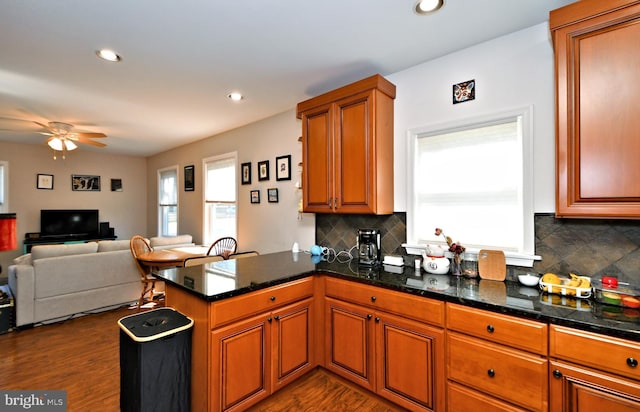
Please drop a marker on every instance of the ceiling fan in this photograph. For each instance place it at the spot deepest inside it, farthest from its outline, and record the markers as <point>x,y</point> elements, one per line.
<point>63,138</point>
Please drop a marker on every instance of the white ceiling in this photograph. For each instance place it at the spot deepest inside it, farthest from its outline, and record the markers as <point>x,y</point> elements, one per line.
<point>182,57</point>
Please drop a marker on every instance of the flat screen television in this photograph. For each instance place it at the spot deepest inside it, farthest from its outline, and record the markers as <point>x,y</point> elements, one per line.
<point>81,223</point>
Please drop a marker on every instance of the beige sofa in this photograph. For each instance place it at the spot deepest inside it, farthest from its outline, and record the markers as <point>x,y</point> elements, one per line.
<point>55,282</point>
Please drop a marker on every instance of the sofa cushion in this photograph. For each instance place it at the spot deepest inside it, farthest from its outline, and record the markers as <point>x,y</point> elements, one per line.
<point>110,245</point>
<point>46,251</point>
<point>23,260</point>
<point>170,240</point>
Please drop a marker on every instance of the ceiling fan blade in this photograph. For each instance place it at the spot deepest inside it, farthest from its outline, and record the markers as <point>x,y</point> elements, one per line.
<point>47,133</point>
<point>44,126</point>
<point>83,139</point>
<point>91,135</point>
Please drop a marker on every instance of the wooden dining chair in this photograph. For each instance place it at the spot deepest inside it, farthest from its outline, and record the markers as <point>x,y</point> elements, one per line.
<point>138,246</point>
<point>224,247</point>
<point>241,255</point>
<point>201,260</point>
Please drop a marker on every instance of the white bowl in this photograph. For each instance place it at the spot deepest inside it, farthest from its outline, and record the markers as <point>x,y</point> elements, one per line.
<point>529,279</point>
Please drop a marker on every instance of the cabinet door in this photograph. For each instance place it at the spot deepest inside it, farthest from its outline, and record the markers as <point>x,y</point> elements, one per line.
<point>349,342</point>
<point>240,360</point>
<point>410,363</point>
<point>317,158</point>
<point>292,342</point>
<point>597,62</point>
<point>576,389</point>
<point>355,154</point>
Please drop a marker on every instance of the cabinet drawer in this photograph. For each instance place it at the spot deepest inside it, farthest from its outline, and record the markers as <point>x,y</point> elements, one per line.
<point>462,399</point>
<point>507,330</point>
<point>598,351</point>
<point>264,300</point>
<point>403,304</point>
<point>512,375</point>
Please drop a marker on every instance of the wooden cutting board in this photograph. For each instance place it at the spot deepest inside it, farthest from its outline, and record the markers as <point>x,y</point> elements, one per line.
<point>492,265</point>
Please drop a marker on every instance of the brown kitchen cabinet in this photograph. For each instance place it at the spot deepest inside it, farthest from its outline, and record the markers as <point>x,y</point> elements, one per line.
<point>347,149</point>
<point>592,372</point>
<point>597,84</point>
<point>373,342</point>
<point>245,348</point>
<point>495,360</point>
<point>253,358</point>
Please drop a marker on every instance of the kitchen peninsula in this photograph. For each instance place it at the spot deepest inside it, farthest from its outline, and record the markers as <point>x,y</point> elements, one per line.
<point>261,322</point>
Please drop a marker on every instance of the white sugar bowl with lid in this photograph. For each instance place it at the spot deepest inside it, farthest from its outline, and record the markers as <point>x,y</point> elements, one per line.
<point>435,265</point>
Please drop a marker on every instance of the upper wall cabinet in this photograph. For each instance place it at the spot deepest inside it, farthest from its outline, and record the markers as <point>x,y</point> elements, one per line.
<point>347,149</point>
<point>597,63</point>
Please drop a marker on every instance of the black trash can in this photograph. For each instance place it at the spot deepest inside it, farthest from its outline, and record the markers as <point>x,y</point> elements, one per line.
<point>155,361</point>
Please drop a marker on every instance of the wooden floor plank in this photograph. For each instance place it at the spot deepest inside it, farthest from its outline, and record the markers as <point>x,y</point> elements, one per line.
<point>82,356</point>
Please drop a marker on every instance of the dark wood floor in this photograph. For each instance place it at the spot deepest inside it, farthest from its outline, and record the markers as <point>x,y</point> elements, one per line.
<point>82,356</point>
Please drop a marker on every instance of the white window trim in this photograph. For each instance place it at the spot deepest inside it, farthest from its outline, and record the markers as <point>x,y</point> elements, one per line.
<point>206,160</point>
<point>159,190</point>
<point>516,259</point>
<point>4,207</point>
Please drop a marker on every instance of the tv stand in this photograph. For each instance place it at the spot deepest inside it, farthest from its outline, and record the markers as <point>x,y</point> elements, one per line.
<point>31,241</point>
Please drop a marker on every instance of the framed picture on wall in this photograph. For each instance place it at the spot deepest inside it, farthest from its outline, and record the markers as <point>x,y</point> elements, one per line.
<point>85,183</point>
<point>255,196</point>
<point>189,178</point>
<point>116,185</point>
<point>283,167</point>
<point>263,170</point>
<point>245,171</point>
<point>272,195</point>
<point>44,181</point>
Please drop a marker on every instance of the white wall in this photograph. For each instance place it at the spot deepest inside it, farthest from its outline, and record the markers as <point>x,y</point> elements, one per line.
<point>265,227</point>
<point>124,210</point>
<point>510,72</point>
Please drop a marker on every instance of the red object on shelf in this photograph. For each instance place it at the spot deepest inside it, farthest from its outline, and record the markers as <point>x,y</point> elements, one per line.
<point>8,238</point>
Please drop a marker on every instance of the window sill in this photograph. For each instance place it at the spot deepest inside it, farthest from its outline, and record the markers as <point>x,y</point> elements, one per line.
<point>513,258</point>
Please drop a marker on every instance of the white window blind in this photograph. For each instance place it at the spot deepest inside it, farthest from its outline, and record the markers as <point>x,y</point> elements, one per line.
<point>168,202</point>
<point>472,181</point>
<point>220,206</point>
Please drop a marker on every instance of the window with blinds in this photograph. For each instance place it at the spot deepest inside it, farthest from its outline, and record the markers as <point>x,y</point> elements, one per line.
<point>220,199</point>
<point>168,201</point>
<point>474,181</point>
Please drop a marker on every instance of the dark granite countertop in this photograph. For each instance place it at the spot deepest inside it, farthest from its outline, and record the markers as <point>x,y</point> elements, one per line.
<point>228,278</point>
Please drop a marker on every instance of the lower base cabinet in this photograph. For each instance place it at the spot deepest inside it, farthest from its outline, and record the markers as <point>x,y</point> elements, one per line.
<point>253,358</point>
<point>579,389</point>
<point>461,398</point>
<point>397,358</point>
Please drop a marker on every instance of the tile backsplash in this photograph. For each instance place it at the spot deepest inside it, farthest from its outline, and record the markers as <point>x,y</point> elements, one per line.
<point>589,247</point>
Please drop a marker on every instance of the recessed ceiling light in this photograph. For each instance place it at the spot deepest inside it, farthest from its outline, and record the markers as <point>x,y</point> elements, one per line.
<point>235,96</point>
<point>428,6</point>
<point>109,55</point>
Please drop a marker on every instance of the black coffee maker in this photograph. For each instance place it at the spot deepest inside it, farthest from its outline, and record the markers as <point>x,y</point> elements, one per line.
<point>368,247</point>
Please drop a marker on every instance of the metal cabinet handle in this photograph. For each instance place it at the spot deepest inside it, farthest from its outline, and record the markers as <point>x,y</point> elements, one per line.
<point>632,362</point>
<point>377,319</point>
<point>269,319</point>
<point>491,373</point>
<point>277,318</point>
<point>490,328</point>
<point>557,374</point>
<point>369,316</point>
<point>373,298</point>
<point>272,298</point>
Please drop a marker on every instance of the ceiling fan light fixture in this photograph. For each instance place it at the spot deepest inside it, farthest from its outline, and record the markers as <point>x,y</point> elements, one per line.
<point>428,6</point>
<point>69,145</point>
<point>109,55</point>
<point>55,144</point>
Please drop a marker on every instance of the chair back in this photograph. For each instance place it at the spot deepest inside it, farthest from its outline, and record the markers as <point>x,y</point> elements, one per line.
<point>201,260</point>
<point>138,246</point>
<point>224,247</point>
<point>241,255</point>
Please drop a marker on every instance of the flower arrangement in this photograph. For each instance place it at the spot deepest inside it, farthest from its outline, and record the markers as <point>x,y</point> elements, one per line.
<point>456,248</point>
